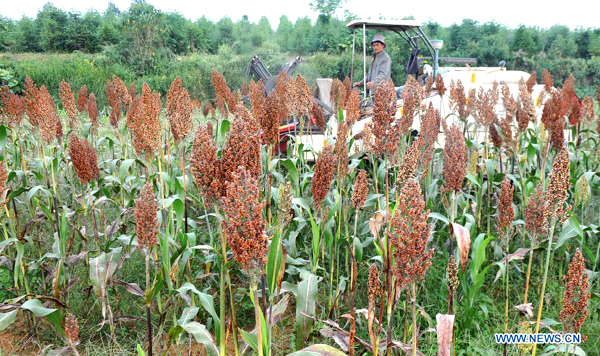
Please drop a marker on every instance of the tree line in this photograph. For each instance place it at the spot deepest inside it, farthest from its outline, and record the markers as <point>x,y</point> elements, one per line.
<point>145,39</point>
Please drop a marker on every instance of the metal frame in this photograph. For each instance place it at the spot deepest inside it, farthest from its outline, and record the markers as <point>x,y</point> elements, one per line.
<point>404,33</point>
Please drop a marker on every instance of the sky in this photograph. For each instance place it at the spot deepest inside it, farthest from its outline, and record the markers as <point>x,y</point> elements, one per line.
<point>511,13</point>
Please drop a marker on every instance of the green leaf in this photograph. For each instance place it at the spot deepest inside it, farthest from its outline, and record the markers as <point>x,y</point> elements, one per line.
<point>140,351</point>
<point>274,261</point>
<point>250,338</point>
<point>473,180</point>
<point>562,349</point>
<point>3,136</point>
<point>124,168</point>
<point>575,224</point>
<point>36,307</point>
<point>439,216</point>
<point>202,336</point>
<point>7,318</point>
<point>305,305</point>
<point>98,267</point>
<point>293,171</point>
<point>188,314</point>
<point>205,299</point>
<point>7,242</point>
<point>301,202</point>
<point>36,189</point>
<point>179,210</point>
<point>225,126</point>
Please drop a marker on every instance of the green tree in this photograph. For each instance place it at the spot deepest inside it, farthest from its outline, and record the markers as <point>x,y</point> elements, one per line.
<point>82,33</point>
<point>285,32</point>
<point>524,40</point>
<point>142,46</point>
<point>7,29</point>
<point>51,22</point>
<point>326,8</point>
<point>461,35</point>
<point>27,36</point>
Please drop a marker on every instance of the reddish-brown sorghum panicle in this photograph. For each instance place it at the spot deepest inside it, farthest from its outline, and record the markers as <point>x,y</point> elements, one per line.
<point>84,158</point>
<point>317,114</point>
<point>205,165</point>
<point>14,108</point>
<point>48,119</point>
<point>68,101</point>
<point>412,95</point>
<point>506,214</point>
<point>553,118</point>
<point>587,109</point>
<point>386,129</point>
<point>373,283</point>
<point>409,235</point>
<point>244,223</point>
<point>122,91</point>
<point>361,190</point>
<point>536,214</point>
<point>531,82</point>
<point>82,98</point>
<point>242,147</point>
<point>439,84</point>
<point>92,108</point>
<point>485,114</point>
<point>336,93</point>
<point>145,122</point>
<point>179,110</point>
<point>458,99</point>
<point>3,187</point>
<point>270,119</point>
<point>576,297</point>
<point>324,173</point>
<point>113,102</point>
<point>282,92</point>
<point>285,213</point>
<point>258,99</point>
<point>146,222</point>
<point>71,327</point>
<point>430,129</point>
<point>526,107</point>
<point>353,107</point>
<point>299,96</point>
<point>224,94</point>
<point>341,149</point>
<point>547,80</point>
<point>558,187</point>
<point>455,159</point>
<point>408,165</point>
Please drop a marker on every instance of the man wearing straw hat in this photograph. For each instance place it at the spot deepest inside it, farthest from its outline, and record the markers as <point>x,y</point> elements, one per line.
<point>381,65</point>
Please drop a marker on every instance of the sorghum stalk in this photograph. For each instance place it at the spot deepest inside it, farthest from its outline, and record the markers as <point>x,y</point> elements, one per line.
<point>222,296</point>
<point>148,303</point>
<point>413,300</point>
<point>557,194</point>
<point>257,312</point>
<point>549,253</point>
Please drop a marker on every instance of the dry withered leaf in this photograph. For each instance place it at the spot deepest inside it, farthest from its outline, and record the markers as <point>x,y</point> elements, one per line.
<point>463,240</point>
<point>526,309</point>
<point>376,222</point>
<point>445,324</point>
<point>517,255</point>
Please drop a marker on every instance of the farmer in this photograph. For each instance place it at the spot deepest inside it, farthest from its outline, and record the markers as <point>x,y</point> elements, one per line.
<point>381,65</point>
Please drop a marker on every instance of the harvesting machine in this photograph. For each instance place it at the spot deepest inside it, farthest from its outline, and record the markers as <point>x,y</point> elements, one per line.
<point>423,50</point>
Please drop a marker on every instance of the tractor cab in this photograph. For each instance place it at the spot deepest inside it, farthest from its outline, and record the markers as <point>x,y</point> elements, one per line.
<point>408,30</point>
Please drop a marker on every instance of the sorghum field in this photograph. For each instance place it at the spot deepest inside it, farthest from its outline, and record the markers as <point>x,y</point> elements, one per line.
<point>161,225</point>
